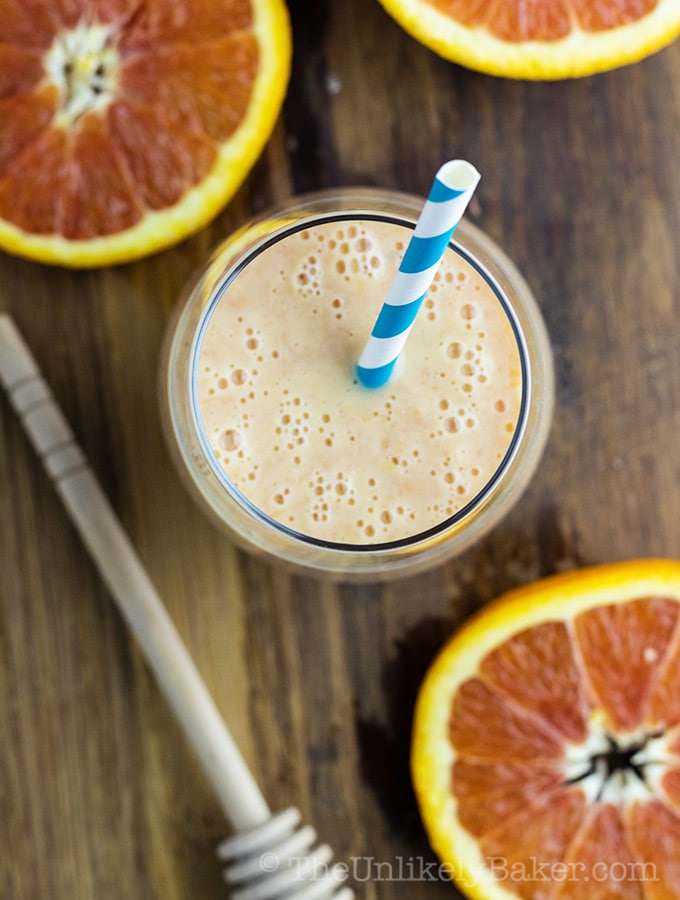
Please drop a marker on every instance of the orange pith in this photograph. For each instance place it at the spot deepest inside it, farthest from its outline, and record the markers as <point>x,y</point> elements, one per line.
<point>546,748</point>
<point>129,119</point>
<point>540,39</point>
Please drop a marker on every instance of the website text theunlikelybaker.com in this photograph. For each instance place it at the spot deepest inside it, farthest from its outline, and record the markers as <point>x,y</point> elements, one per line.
<point>421,869</point>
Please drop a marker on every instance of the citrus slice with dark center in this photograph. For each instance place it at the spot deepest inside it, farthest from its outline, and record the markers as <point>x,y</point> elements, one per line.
<point>540,39</point>
<point>546,744</point>
<point>127,124</point>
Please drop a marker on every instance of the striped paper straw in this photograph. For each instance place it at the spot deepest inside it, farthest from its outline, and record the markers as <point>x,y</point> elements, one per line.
<point>450,194</point>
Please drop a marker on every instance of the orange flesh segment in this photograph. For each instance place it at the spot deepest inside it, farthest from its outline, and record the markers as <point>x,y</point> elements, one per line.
<point>207,85</point>
<point>72,185</point>
<point>169,22</point>
<point>622,647</point>
<point>183,85</point>
<point>518,670</point>
<point>27,25</point>
<point>663,708</point>
<point>162,179</point>
<point>670,782</point>
<point>542,20</point>
<point>539,835</point>
<point>485,725</point>
<point>597,859</point>
<point>607,14</point>
<point>101,198</point>
<point>654,836</point>
<point>21,70</point>
<point>31,194</point>
<point>489,793</point>
<point>24,120</point>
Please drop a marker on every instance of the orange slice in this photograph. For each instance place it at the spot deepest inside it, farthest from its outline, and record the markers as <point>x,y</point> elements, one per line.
<point>546,743</point>
<point>127,124</point>
<point>540,39</point>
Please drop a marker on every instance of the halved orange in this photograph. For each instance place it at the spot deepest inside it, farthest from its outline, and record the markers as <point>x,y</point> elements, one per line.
<point>546,743</point>
<point>540,39</point>
<point>125,125</point>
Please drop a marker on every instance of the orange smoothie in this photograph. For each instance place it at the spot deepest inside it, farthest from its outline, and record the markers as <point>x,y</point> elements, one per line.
<point>305,443</point>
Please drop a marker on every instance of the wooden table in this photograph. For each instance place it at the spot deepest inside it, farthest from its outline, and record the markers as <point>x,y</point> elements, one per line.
<point>99,795</point>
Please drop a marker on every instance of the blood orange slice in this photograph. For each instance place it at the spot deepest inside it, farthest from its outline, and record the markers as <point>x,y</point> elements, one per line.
<point>540,39</point>
<point>127,124</point>
<point>546,743</point>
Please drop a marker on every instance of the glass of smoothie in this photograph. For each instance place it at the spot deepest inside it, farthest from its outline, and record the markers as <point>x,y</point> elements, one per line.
<point>277,438</point>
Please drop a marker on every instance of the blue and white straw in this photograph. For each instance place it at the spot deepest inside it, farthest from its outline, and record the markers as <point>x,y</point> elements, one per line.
<point>450,194</point>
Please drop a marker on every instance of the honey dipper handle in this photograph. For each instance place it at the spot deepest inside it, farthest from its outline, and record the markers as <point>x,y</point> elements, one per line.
<point>135,595</point>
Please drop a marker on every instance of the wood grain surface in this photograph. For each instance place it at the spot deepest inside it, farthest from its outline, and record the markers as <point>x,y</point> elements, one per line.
<point>100,799</point>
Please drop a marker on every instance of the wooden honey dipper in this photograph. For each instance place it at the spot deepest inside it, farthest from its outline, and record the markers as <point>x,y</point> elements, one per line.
<point>269,857</point>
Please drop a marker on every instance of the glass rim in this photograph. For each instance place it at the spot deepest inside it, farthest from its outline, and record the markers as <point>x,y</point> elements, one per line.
<point>309,219</point>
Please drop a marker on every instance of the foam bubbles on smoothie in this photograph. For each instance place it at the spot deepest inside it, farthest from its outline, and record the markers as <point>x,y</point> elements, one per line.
<point>230,440</point>
<point>352,251</point>
<point>307,278</point>
<point>310,447</point>
<point>253,340</point>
